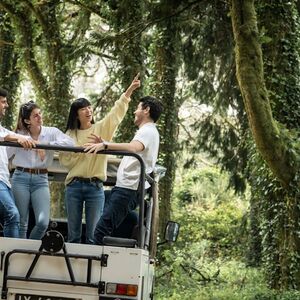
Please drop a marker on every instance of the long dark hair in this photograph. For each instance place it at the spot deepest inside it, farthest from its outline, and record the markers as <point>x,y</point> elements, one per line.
<point>73,121</point>
<point>24,114</point>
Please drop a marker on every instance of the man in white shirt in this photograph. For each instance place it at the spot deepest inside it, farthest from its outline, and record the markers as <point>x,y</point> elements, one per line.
<point>123,197</point>
<point>8,210</point>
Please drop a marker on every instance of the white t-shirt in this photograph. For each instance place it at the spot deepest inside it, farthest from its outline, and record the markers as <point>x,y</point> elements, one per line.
<point>129,169</point>
<point>4,172</point>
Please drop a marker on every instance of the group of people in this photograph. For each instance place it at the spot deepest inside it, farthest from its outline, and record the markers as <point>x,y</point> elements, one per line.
<point>86,171</point>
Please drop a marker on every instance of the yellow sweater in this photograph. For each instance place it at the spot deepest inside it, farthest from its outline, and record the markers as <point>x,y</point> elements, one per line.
<point>90,165</point>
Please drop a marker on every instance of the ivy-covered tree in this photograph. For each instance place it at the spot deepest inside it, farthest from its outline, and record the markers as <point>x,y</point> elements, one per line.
<point>277,144</point>
<point>166,54</point>
<point>279,30</point>
<point>9,78</point>
<point>128,49</point>
<point>47,49</point>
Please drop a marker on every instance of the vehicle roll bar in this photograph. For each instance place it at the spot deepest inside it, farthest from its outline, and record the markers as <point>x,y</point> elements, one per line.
<point>141,188</point>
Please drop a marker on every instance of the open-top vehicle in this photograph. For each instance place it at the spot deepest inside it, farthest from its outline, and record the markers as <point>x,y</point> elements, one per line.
<point>53,269</point>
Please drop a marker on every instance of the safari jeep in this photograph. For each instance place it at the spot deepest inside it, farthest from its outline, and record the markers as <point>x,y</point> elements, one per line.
<point>52,269</point>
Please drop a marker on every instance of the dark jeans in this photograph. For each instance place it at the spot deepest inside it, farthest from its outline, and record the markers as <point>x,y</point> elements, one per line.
<point>9,212</point>
<point>121,202</point>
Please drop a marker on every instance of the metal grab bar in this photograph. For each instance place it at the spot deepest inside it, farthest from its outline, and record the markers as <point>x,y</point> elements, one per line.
<point>141,188</point>
<point>38,254</point>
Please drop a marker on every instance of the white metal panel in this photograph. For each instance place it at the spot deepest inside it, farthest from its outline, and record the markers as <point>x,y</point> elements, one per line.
<point>49,267</point>
<point>125,265</point>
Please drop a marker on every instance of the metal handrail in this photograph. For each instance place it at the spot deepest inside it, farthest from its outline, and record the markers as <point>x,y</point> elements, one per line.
<point>38,254</point>
<point>141,188</point>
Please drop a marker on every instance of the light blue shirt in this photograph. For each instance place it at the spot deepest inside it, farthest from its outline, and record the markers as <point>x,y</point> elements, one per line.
<point>30,158</point>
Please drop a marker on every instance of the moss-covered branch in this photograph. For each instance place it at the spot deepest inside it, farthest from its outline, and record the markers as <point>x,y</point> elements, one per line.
<point>270,140</point>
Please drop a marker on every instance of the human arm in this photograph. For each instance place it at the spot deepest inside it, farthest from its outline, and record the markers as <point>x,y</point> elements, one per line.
<point>24,141</point>
<point>134,146</point>
<point>136,83</point>
<point>107,126</point>
<point>58,138</point>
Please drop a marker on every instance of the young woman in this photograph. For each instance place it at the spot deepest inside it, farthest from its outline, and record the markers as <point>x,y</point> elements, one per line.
<point>30,178</point>
<point>87,172</point>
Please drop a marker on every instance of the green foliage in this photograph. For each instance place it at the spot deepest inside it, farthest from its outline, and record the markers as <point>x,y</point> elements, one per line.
<point>206,186</point>
<point>219,228</point>
<point>210,213</point>
<point>56,39</point>
<point>278,211</point>
<point>206,262</point>
<point>210,68</point>
<point>281,59</point>
<point>278,208</point>
<point>219,280</point>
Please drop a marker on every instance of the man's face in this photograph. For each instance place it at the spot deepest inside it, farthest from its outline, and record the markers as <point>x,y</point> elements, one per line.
<point>139,114</point>
<point>3,106</point>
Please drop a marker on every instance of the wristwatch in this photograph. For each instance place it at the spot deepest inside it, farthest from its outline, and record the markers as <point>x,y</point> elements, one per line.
<point>105,145</point>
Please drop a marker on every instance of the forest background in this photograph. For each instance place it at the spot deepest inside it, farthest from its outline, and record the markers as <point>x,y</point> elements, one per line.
<point>228,75</point>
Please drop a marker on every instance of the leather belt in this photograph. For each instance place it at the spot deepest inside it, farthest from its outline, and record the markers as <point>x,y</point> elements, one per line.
<point>32,171</point>
<point>88,180</point>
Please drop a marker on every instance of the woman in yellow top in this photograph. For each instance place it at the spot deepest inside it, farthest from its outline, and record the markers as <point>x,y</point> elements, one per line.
<point>87,172</point>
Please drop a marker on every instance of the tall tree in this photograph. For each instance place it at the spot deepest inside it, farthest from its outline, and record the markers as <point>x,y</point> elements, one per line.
<point>276,143</point>
<point>8,67</point>
<point>279,30</point>
<point>46,52</point>
<point>166,66</point>
<point>49,36</point>
<point>127,47</point>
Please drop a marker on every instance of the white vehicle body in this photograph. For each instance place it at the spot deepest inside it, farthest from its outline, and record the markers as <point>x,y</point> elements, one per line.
<point>93,268</point>
<point>52,269</point>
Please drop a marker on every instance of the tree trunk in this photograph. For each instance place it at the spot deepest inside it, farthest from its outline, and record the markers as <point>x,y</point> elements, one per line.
<point>268,138</point>
<point>8,68</point>
<point>166,54</point>
<point>56,94</point>
<point>278,147</point>
<point>50,76</point>
<point>280,23</point>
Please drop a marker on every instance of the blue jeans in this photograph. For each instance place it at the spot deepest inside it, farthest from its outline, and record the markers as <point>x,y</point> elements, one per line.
<point>128,228</point>
<point>9,211</point>
<point>32,188</point>
<point>121,202</point>
<point>91,195</point>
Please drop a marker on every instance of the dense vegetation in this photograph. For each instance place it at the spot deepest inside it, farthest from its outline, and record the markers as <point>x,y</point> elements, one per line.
<point>233,68</point>
<point>210,259</point>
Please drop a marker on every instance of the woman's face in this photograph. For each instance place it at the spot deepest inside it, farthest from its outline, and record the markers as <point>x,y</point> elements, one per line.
<point>36,118</point>
<point>85,114</point>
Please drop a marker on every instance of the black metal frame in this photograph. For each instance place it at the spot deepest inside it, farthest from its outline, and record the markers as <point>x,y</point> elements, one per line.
<point>141,188</point>
<point>67,256</point>
<point>103,258</point>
